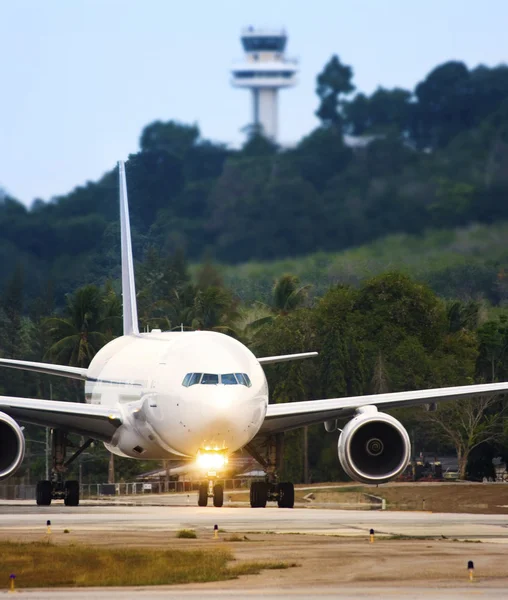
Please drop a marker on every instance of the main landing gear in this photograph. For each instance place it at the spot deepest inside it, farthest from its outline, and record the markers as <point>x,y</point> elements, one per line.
<point>271,489</point>
<point>262,491</point>
<point>211,489</point>
<point>58,488</point>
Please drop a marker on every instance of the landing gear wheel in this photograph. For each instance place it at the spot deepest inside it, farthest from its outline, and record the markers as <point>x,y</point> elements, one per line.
<point>258,494</point>
<point>71,493</point>
<point>43,493</point>
<point>218,495</point>
<point>203,494</point>
<point>286,495</point>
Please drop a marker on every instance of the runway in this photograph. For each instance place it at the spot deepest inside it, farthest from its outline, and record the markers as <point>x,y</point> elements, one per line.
<point>351,523</point>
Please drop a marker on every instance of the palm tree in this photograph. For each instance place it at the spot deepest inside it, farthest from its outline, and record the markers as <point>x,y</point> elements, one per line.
<point>288,294</point>
<point>214,309</point>
<point>91,319</point>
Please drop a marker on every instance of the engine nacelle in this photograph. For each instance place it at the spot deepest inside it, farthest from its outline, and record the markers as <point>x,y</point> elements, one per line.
<point>374,447</point>
<point>12,446</point>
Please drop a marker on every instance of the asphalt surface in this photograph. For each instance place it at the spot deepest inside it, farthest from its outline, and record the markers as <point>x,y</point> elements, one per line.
<point>23,514</point>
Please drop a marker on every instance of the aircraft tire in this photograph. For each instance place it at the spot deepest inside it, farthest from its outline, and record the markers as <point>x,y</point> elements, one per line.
<point>71,493</point>
<point>203,494</point>
<point>258,494</point>
<point>218,495</point>
<point>286,495</point>
<point>43,493</point>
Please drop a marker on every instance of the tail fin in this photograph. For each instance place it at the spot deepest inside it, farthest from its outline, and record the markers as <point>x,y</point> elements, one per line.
<point>130,309</point>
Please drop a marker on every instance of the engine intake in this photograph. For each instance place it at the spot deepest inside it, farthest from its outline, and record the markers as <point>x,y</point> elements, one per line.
<point>12,446</point>
<point>374,447</point>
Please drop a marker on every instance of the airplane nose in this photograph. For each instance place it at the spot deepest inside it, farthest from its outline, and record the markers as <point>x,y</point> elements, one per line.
<point>219,402</point>
<point>220,415</point>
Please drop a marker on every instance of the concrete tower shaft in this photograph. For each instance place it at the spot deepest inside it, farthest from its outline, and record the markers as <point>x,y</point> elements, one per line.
<point>264,71</point>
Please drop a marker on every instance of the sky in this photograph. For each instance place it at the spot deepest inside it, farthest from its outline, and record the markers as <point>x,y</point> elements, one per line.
<point>79,79</point>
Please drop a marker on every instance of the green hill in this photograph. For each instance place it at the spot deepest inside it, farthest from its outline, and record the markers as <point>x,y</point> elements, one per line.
<point>468,262</point>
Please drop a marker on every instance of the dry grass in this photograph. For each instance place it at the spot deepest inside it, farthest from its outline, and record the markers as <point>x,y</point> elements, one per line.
<point>186,534</point>
<point>42,564</point>
<point>434,496</point>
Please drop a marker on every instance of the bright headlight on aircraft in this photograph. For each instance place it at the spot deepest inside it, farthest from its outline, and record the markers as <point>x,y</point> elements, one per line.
<point>211,460</point>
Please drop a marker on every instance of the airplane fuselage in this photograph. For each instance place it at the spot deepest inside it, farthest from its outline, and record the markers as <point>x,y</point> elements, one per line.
<point>167,416</point>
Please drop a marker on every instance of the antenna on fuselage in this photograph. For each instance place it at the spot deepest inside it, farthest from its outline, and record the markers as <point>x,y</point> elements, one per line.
<point>130,309</point>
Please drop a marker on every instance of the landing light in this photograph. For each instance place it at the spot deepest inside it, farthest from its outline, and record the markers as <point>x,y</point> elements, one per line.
<point>211,459</point>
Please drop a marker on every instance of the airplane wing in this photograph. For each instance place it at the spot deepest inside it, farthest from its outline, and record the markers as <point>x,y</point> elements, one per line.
<point>90,420</point>
<point>50,369</point>
<point>292,415</point>
<point>268,360</point>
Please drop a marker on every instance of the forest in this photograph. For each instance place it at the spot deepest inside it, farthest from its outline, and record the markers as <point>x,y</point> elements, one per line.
<point>394,175</point>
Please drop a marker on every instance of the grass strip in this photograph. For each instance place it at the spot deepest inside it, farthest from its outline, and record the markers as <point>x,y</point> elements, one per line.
<point>43,564</point>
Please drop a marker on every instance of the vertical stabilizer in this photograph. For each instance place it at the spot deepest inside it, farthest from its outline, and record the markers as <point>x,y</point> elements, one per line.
<point>130,309</point>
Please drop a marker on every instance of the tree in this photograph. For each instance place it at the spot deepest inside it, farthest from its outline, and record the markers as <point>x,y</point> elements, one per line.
<point>333,82</point>
<point>394,307</point>
<point>469,423</point>
<point>442,110</point>
<point>89,321</point>
<point>383,112</point>
<point>258,144</point>
<point>463,315</point>
<point>12,303</point>
<point>288,294</point>
<point>321,155</point>
<point>170,136</point>
<point>493,348</point>
<point>214,308</point>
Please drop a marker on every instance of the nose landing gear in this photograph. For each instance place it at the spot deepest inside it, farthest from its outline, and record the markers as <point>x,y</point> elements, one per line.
<point>211,489</point>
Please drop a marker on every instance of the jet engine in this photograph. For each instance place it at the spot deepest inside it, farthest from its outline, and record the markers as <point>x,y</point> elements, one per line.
<point>12,446</point>
<point>374,447</point>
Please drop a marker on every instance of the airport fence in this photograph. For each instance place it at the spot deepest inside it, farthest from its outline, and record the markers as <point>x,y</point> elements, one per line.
<point>95,490</point>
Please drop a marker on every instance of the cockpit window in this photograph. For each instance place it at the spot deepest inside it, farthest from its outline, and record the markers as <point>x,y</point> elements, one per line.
<point>214,379</point>
<point>243,379</point>
<point>228,379</point>
<point>191,379</point>
<point>195,378</point>
<point>240,378</point>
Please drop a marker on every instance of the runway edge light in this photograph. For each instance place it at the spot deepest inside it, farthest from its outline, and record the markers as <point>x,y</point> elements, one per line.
<point>48,526</point>
<point>12,579</point>
<point>371,532</point>
<point>215,531</point>
<point>470,568</point>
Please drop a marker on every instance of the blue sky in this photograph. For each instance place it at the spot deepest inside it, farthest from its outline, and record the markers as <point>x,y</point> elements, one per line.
<point>79,79</point>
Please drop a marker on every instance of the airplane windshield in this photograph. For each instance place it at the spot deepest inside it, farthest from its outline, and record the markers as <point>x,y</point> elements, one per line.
<point>215,379</point>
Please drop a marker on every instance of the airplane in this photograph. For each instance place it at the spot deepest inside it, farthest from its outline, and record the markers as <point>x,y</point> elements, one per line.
<point>200,396</point>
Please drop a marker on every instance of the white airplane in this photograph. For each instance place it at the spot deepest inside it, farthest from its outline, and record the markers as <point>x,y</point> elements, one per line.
<point>200,396</point>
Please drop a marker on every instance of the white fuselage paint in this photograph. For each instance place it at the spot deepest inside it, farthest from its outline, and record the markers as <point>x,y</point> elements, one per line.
<point>142,375</point>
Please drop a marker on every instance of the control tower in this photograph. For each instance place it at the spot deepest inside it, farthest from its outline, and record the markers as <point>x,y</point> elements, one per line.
<point>264,71</point>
